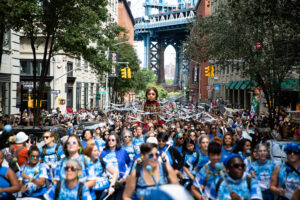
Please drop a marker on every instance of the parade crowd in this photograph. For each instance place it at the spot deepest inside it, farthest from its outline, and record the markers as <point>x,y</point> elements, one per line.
<point>158,151</point>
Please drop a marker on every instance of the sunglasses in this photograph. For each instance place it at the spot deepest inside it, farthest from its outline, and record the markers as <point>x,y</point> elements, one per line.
<point>73,169</point>
<point>151,155</point>
<point>106,134</point>
<point>290,152</point>
<point>72,143</point>
<point>238,166</point>
<point>111,140</point>
<point>127,136</point>
<point>181,138</point>
<point>46,137</point>
<point>33,157</point>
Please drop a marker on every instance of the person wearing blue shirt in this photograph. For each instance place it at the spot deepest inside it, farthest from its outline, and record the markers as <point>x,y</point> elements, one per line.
<point>228,146</point>
<point>262,170</point>
<point>141,182</point>
<point>286,177</point>
<point>236,184</point>
<point>50,153</point>
<point>128,146</point>
<point>139,139</point>
<point>243,147</point>
<point>70,187</point>
<point>190,158</point>
<point>33,175</point>
<point>214,132</point>
<point>204,185</point>
<point>87,138</point>
<point>203,142</point>
<point>8,181</point>
<point>178,142</point>
<point>102,172</point>
<point>73,150</point>
<point>114,155</point>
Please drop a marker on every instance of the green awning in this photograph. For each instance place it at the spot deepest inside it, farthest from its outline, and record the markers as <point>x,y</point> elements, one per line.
<point>245,85</point>
<point>228,84</point>
<point>232,86</point>
<point>290,84</point>
<point>238,85</point>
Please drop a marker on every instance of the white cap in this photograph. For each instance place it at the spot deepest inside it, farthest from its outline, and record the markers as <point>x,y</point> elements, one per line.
<point>152,140</point>
<point>21,137</point>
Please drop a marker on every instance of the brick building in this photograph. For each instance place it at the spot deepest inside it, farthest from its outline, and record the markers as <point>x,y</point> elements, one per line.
<point>125,19</point>
<point>197,70</point>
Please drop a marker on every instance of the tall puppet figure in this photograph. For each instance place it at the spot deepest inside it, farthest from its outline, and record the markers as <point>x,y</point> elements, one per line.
<point>152,106</point>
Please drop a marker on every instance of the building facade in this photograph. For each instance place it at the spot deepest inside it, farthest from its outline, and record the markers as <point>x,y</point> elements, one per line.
<point>10,75</point>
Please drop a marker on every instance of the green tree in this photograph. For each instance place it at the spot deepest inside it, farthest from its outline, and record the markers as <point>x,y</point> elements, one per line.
<point>119,85</point>
<point>232,32</point>
<point>11,12</point>
<point>68,25</point>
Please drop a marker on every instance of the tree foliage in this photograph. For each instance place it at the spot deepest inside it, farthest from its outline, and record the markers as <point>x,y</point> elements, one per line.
<point>11,13</point>
<point>69,25</point>
<point>231,34</point>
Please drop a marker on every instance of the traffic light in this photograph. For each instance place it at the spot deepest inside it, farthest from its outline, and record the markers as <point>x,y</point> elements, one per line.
<point>61,101</point>
<point>123,73</point>
<point>128,72</point>
<point>207,71</point>
<point>212,71</point>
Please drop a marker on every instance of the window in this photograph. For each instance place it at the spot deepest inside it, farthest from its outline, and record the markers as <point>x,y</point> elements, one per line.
<point>70,69</point>
<point>27,67</point>
<point>92,90</point>
<point>86,64</point>
<point>78,62</point>
<point>78,96</point>
<point>86,90</point>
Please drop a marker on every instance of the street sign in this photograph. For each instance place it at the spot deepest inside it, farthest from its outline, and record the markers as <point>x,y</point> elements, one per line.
<point>102,92</point>
<point>217,87</point>
<point>55,91</point>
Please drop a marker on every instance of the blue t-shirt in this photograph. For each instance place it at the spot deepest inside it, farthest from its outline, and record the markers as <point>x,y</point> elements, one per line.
<point>52,156</point>
<point>207,177</point>
<point>203,160</point>
<point>3,182</point>
<point>131,151</point>
<point>225,153</point>
<point>111,159</point>
<point>263,173</point>
<point>88,170</point>
<point>189,160</point>
<point>240,187</point>
<point>36,172</point>
<point>288,180</point>
<point>102,181</point>
<point>67,193</point>
<point>138,141</point>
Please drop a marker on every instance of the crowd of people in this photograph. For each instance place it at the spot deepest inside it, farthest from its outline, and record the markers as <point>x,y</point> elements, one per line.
<point>184,153</point>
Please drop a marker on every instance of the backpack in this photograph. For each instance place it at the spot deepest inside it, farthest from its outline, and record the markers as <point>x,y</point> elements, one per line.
<point>12,158</point>
<point>221,180</point>
<point>79,192</point>
<point>138,172</point>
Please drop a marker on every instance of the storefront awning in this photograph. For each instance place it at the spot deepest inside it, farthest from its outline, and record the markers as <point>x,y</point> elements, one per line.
<point>290,84</point>
<point>228,84</point>
<point>234,83</point>
<point>245,85</point>
<point>238,85</point>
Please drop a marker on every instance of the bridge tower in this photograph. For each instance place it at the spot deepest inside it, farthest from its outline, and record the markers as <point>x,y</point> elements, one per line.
<point>168,27</point>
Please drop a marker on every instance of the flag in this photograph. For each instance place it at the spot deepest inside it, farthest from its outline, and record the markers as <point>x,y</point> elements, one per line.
<point>254,106</point>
